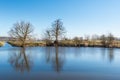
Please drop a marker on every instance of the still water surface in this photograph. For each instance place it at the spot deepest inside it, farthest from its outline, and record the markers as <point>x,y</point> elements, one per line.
<point>61,63</point>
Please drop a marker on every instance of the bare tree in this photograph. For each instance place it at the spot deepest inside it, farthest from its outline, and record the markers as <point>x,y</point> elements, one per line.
<point>48,36</point>
<point>21,31</point>
<point>87,37</point>
<point>103,40</point>
<point>77,41</point>
<point>57,30</point>
<point>94,37</point>
<point>110,39</point>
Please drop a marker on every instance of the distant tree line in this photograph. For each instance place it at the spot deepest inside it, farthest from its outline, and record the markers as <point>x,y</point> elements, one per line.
<point>105,40</point>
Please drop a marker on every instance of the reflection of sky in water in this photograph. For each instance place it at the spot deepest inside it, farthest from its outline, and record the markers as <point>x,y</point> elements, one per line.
<point>99,61</point>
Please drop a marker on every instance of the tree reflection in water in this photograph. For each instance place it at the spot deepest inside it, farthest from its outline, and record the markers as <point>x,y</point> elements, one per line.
<point>20,60</point>
<point>48,54</point>
<point>111,54</point>
<point>55,58</point>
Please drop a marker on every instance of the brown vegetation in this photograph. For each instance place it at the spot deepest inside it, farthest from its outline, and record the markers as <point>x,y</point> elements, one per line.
<point>27,44</point>
<point>2,44</point>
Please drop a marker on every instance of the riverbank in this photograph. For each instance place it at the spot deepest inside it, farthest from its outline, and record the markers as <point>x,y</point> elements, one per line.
<point>89,43</point>
<point>2,43</point>
<point>27,44</point>
<point>69,43</point>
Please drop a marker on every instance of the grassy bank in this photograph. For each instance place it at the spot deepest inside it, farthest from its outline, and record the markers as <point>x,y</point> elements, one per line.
<point>28,44</point>
<point>70,43</point>
<point>2,43</point>
<point>90,43</point>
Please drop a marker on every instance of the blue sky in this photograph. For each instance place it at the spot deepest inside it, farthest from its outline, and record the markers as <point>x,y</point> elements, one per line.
<point>80,17</point>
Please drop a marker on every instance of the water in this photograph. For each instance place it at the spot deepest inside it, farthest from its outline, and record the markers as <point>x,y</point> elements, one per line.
<point>62,63</point>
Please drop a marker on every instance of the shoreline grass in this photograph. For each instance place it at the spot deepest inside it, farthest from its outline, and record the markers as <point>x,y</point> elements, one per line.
<point>2,43</point>
<point>27,44</point>
<point>68,43</point>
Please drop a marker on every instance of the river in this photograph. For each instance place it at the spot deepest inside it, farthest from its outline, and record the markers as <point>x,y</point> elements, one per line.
<point>59,63</point>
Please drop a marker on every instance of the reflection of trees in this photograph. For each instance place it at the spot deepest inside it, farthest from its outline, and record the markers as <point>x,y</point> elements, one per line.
<point>111,54</point>
<point>103,51</point>
<point>20,60</point>
<point>77,51</point>
<point>56,58</point>
<point>48,52</point>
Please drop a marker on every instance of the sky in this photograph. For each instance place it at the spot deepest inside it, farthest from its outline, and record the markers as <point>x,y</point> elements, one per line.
<point>79,17</point>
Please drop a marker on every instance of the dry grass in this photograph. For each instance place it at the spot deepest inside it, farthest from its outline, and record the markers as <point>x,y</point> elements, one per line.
<point>30,44</point>
<point>68,43</point>
<point>2,43</point>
